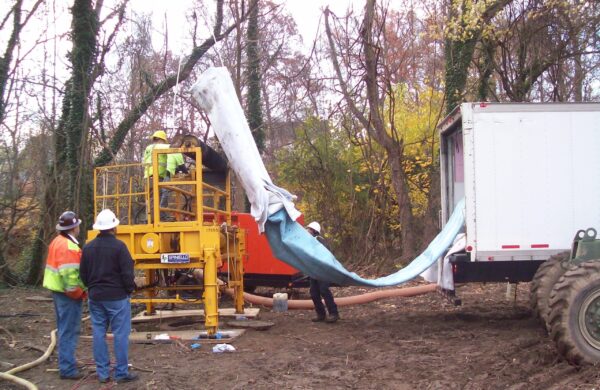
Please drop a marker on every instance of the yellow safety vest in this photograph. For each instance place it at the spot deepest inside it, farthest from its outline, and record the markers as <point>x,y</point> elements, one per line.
<point>173,161</point>
<point>62,265</point>
<point>162,160</point>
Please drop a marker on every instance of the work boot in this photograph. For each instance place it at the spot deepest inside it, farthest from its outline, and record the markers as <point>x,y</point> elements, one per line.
<point>132,376</point>
<point>74,377</point>
<point>332,319</point>
<point>319,318</point>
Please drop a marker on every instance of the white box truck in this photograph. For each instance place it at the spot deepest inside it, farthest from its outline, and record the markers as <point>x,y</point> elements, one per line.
<point>530,176</point>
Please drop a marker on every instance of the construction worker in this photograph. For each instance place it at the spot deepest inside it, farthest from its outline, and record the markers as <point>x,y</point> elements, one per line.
<point>159,141</point>
<point>62,278</point>
<point>319,288</point>
<point>107,271</point>
<point>175,164</point>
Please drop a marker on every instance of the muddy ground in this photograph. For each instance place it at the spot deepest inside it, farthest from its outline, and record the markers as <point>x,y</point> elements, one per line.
<point>398,343</point>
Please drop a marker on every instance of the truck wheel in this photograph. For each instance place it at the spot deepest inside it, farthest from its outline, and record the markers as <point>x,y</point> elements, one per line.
<point>575,314</point>
<point>543,281</point>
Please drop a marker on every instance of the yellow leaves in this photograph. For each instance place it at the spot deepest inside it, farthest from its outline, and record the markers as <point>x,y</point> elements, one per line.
<point>466,19</point>
<point>364,167</point>
<point>394,226</point>
<point>416,113</point>
<point>415,117</point>
<point>363,187</point>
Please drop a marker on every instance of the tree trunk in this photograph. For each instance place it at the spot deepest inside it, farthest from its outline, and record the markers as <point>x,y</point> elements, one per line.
<point>6,59</point>
<point>459,51</point>
<point>253,98</point>
<point>38,254</point>
<point>394,146</point>
<point>485,70</point>
<point>84,30</point>
<point>375,124</point>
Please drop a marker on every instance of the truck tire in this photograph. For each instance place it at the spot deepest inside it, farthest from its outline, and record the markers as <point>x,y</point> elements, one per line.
<point>543,281</point>
<point>575,314</point>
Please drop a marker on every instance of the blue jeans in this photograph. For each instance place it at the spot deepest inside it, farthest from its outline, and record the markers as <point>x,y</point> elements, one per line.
<point>320,289</point>
<point>117,314</point>
<point>68,323</point>
<point>164,198</point>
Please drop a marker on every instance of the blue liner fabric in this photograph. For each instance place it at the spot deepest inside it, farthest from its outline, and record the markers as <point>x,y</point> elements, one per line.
<point>292,244</point>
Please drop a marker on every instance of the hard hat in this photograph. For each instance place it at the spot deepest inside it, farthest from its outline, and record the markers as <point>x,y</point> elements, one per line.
<point>314,225</point>
<point>160,134</point>
<point>67,221</point>
<point>106,220</point>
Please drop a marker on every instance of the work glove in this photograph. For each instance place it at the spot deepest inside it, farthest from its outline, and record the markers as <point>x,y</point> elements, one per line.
<point>76,293</point>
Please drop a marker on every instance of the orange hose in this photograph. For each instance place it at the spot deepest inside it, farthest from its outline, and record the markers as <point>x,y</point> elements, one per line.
<point>307,304</point>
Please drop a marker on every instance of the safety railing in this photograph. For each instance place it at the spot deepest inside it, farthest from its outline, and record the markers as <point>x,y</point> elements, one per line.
<point>128,190</point>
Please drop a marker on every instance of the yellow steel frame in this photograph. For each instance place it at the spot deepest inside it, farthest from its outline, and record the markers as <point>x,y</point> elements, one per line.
<point>205,233</point>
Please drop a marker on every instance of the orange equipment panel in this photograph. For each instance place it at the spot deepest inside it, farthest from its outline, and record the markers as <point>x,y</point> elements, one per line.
<point>261,268</point>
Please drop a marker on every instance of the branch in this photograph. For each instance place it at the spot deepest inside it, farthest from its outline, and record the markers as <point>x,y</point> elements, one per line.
<point>371,78</point>
<point>336,66</point>
<point>99,67</point>
<point>6,17</point>
<point>6,59</point>
<point>106,155</point>
<point>33,9</point>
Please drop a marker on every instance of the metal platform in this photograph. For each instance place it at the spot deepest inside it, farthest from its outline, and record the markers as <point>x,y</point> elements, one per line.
<point>251,312</point>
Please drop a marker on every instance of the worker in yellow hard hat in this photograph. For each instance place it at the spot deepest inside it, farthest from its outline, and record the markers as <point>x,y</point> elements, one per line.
<point>159,141</point>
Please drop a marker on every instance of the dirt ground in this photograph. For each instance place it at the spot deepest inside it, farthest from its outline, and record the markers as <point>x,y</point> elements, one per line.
<point>398,343</point>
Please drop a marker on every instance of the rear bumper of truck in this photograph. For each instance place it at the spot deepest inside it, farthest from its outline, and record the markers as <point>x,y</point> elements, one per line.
<point>514,271</point>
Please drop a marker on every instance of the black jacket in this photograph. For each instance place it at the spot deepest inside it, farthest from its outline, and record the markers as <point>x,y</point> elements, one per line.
<point>107,268</point>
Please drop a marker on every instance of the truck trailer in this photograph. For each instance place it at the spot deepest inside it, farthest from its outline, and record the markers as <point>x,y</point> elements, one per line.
<point>530,176</point>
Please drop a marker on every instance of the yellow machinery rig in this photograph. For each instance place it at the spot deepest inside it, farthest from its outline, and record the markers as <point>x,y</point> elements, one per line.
<point>179,245</point>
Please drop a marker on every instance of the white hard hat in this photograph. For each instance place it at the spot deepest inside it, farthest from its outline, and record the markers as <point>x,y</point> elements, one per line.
<point>314,225</point>
<point>106,220</point>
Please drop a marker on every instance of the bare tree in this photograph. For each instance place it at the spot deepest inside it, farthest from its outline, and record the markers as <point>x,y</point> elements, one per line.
<point>72,133</point>
<point>539,38</point>
<point>369,84</point>
<point>15,203</point>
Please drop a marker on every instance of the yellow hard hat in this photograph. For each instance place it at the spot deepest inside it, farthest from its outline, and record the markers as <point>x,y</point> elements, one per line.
<point>160,134</point>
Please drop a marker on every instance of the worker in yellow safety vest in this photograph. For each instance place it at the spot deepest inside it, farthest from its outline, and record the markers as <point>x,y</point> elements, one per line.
<point>68,291</point>
<point>159,141</point>
<point>176,164</point>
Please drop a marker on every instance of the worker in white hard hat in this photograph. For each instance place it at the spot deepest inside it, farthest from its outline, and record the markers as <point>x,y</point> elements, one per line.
<point>319,289</point>
<point>159,141</point>
<point>107,271</point>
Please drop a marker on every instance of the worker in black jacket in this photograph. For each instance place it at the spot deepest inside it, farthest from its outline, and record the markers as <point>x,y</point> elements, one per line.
<point>320,288</point>
<point>107,271</point>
